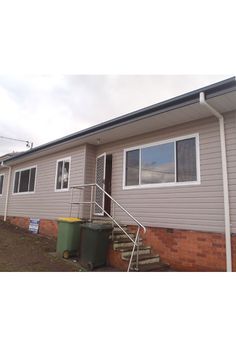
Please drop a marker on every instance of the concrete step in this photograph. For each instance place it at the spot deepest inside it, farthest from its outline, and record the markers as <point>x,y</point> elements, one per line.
<point>145,259</point>
<point>123,236</point>
<point>153,267</point>
<point>117,230</point>
<point>101,218</point>
<point>102,221</point>
<point>126,252</point>
<point>123,243</point>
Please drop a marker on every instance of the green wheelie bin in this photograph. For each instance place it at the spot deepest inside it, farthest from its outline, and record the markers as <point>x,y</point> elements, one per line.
<point>68,239</point>
<point>94,244</point>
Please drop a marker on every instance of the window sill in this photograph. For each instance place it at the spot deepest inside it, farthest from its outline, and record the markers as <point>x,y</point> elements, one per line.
<point>24,193</point>
<point>162,185</point>
<point>61,190</point>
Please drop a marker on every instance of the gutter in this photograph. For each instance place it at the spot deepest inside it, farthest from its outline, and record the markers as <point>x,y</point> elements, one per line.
<point>220,118</point>
<point>183,100</point>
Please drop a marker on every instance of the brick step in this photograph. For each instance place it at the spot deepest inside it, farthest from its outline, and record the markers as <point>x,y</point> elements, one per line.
<point>153,267</point>
<point>124,243</point>
<point>126,252</point>
<point>144,259</point>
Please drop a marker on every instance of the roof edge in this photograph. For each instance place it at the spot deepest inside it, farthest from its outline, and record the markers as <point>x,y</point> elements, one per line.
<point>173,103</point>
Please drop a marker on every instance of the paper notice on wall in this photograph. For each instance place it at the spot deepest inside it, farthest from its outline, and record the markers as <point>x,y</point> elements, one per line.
<point>34,225</point>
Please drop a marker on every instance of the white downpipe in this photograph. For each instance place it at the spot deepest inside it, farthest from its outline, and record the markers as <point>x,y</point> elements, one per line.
<point>7,195</point>
<point>225,180</point>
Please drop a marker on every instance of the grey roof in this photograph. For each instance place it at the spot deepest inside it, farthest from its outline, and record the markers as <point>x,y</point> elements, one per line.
<point>192,97</point>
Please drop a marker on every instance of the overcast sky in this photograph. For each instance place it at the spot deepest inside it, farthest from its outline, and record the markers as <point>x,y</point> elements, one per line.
<point>44,108</point>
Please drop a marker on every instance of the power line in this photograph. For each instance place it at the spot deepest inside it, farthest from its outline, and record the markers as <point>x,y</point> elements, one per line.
<point>28,143</point>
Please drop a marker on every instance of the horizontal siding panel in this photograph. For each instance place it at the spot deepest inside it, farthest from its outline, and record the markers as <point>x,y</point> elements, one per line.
<point>189,207</point>
<point>197,207</point>
<point>45,202</point>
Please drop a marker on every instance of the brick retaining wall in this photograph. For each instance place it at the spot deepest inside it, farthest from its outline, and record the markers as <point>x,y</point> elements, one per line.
<point>47,227</point>
<point>184,250</point>
<point>189,250</point>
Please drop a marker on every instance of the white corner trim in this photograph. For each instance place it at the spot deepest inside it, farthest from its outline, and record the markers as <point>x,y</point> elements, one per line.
<point>8,192</point>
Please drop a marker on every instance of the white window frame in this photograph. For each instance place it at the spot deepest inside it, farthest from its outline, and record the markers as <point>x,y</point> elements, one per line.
<point>160,185</point>
<point>25,192</point>
<point>66,159</point>
<point>2,183</point>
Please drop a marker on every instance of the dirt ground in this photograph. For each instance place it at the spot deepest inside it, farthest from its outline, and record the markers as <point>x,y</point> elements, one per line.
<point>21,251</point>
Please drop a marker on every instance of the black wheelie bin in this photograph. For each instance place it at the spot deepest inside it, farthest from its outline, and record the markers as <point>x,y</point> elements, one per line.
<point>94,244</point>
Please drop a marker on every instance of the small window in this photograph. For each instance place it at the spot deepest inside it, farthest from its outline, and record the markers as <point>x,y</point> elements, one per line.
<point>170,162</point>
<point>62,174</point>
<point>25,180</point>
<point>1,183</point>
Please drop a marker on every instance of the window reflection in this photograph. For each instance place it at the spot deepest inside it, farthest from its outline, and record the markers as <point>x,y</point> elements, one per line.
<point>158,164</point>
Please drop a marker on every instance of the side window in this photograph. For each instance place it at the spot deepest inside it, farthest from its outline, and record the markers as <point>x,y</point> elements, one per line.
<point>162,163</point>
<point>24,180</point>
<point>62,174</point>
<point>1,183</point>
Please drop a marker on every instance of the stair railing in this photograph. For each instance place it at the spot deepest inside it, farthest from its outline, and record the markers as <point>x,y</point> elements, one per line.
<point>93,203</point>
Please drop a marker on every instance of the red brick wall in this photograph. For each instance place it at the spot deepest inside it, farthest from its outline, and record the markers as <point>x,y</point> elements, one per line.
<point>114,259</point>
<point>46,226</point>
<point>21,222</point>
<point>184,250</point>
<point>188,250</point>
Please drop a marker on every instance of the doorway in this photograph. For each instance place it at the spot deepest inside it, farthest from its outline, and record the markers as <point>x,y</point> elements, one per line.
<point>103,179</point>
<point>108,176</point>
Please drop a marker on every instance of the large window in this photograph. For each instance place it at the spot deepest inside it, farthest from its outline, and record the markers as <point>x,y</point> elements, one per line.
<point>62,174</point>
<point>1,183</point>
<point>168,162</point>
<point>25,180</point>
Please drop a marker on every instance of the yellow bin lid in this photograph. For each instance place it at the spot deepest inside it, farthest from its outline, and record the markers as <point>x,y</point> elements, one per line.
<point>69,219</point>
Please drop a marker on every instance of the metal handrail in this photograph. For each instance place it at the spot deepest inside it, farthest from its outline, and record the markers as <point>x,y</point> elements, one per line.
<point>91,202</point>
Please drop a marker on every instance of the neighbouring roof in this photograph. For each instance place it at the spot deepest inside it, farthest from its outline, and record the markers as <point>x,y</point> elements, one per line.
<point>212,91</point>
<point>8,155</point>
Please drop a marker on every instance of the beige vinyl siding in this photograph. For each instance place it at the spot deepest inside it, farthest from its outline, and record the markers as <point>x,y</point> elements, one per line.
<point>196,207</point>
<point>4,191</point>
<point>45,202</point>
<point>231,157</point>
<point>90,166</point>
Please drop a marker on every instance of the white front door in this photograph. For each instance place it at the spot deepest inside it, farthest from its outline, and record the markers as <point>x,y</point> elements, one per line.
<point>100,180</point>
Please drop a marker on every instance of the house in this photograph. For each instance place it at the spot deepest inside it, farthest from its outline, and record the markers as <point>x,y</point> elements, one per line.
<point>6,156</point>
<point>171,166</point>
